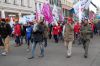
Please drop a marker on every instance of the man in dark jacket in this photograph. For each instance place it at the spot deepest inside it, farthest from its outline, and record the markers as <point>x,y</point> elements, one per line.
<point>38,31</point>
<point>98,27</point>
<point>5,32</point>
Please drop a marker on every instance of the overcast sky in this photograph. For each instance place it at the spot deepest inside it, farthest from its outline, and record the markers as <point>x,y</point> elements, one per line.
<point>97,3</point>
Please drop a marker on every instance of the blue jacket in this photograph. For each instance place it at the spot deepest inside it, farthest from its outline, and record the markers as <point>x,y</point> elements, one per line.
<point>28,32</point>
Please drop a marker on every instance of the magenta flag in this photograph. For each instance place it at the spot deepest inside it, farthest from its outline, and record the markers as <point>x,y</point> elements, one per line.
<point>47,13</point>
<point>91,15</point>
<point>36,15</point>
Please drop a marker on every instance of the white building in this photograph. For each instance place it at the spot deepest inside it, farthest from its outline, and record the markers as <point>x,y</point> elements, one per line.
<point>16,8</point>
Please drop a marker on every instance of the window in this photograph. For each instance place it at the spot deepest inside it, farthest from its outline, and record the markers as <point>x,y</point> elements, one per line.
<point>28,2</point>
<point>59,3</point>
<point>21,2</point>
<point>40,6</point>
<point>5,1</point>
<point>14,2</point>
<point>52,2</point>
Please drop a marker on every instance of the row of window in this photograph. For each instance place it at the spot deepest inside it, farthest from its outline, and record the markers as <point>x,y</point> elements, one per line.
<point>18,2</point>
<point>56,2</point>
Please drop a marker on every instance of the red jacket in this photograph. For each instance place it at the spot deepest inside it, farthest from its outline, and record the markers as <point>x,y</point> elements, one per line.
<point>17,30</point>
<point>60,29</point>
<point>55,30</point>
<point>92,27</point>
<point>77,28</point>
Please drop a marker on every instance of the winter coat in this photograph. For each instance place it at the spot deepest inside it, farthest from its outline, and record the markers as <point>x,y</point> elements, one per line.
<point>59,29</point>
<point>55,30</point>
<point>17,30</point>
<point>77,28</point>
<point>38,33</point>
<point>92,27</point>
<point>28,32</point>
<point>68,32</point>
<point>86,32</point>
<point>5,30</point>
<point>45,34</point>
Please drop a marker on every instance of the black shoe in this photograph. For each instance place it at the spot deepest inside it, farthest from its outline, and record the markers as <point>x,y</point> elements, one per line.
<point>31,57</point>
<point>45,45</point>
<point>85,56</point>
<point>68,57</point>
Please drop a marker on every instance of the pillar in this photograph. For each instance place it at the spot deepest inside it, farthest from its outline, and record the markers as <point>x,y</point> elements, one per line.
<point>19,14</point>
<point>2,14</point>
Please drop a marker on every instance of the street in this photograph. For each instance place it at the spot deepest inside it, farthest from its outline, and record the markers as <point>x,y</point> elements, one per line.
<point>55,55</point>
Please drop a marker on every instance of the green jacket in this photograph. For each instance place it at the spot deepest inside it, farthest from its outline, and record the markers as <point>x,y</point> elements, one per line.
<point>86,32</point>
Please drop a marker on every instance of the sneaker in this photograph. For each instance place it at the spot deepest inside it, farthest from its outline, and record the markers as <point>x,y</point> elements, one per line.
<point>85,56</point>
<point>68,57</point>
<point>28,50</point>
<point>41,56</point>
<point>31,57</point>
<point>4,53</point>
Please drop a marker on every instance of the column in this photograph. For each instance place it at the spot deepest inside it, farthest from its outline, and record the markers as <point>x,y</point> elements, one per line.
<point>2,14</point>
<point>19,14</point>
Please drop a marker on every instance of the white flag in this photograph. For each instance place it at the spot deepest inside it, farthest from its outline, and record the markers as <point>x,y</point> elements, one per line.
<point>80,6</point>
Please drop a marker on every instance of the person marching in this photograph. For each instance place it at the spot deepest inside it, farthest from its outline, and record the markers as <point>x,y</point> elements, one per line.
<point>38,31</point>
<point>85,36</point>
<point>55,32</point>
<point>17,33</point>
<point>5,32</point>
<point>45,34</point>
<point>68,36</point>
<point>28,34</point>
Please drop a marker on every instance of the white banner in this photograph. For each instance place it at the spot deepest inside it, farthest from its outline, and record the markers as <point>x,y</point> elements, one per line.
<point>80,6</point>
<point>55,14</point>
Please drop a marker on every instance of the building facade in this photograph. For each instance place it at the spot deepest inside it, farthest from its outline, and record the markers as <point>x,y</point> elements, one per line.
<point>16,8</point>
<point>57,3</point>
<point>66,6</point>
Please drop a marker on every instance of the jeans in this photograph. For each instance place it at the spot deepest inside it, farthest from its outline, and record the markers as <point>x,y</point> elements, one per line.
<point>22,37</point>
<point>56,38</point>
<point>41,48</point>
<point>91,35</point>
<point>99,32</point>
<point>17,40</point>
<point>45,42</point>
<point>50,35</point>
<point>86,46</point>
<point>69,47</point>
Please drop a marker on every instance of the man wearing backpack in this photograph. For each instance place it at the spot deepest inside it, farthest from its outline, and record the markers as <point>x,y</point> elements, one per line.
<point>17,33</point>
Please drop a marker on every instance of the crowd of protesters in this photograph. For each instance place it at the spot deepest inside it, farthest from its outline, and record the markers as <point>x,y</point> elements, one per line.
<point>38,33</point>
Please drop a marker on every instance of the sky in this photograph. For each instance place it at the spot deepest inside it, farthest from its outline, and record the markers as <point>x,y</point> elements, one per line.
<point>96,2</point>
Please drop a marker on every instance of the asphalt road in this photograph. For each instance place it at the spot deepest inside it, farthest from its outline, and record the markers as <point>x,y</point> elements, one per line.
<point>55,55</point>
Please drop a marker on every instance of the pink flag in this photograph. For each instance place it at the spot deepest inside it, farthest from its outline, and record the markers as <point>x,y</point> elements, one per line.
<point>46,11</point>
<point>91,15</point>
<point>36,15</point>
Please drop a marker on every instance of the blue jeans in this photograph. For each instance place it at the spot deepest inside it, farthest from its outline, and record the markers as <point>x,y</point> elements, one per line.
<point>41,48</point>
<point>17,40</point>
